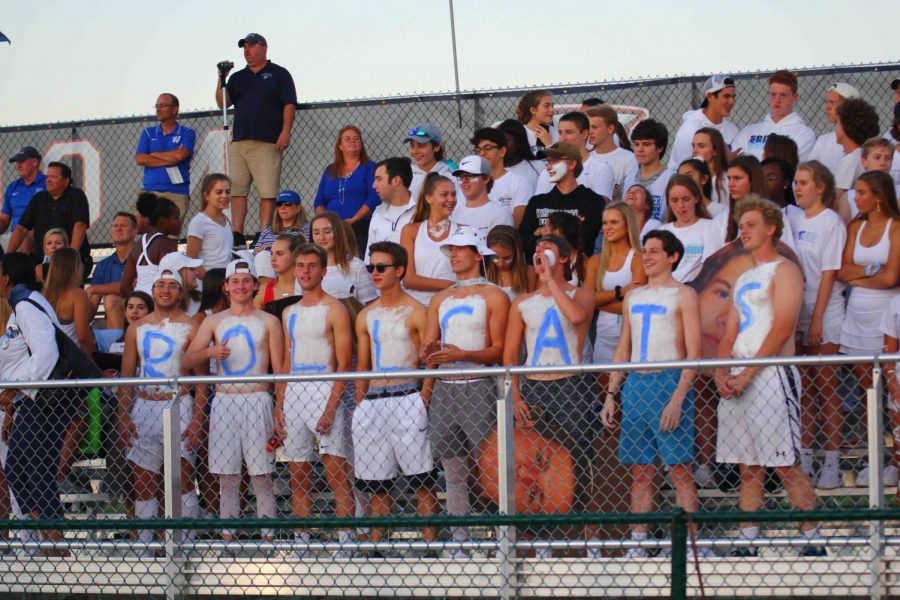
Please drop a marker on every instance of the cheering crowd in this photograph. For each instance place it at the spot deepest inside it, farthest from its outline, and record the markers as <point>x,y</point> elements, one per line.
<point>561,240</point>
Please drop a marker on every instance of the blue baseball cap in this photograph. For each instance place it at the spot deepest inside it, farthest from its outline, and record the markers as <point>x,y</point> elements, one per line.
<point>424,132</point>
<point>288,197</point>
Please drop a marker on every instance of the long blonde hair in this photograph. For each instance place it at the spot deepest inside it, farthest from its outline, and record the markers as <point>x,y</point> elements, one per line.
<point>62,275</point>
<point>632,235</point>
<point>344,245</point>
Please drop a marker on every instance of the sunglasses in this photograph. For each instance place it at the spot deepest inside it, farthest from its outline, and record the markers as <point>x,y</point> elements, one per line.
<point>380,267</point>
<point>420,132</point>
<point>285,204</point>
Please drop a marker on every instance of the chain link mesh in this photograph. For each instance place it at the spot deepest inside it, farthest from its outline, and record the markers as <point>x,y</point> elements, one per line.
<point>102,151</point>
<point>430,516</point>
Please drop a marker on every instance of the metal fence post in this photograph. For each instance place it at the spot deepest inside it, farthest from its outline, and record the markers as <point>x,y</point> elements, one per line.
<point>875,438</point>
<point>172,477</point>
<point>506,469</point>
<point>679,554</point>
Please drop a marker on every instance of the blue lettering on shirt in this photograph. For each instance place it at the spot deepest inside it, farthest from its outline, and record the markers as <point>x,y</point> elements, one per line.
<point>456,310</point>
<point>295,366</point>
<point>693,249</point>
<point>239,330</point>
<point>149,359</point>
<point>376,330</point>
<point>657,206</point>
<point>646,311</point>
<point>807,237</point>
<point>746,313</point>
<point>546,341</point>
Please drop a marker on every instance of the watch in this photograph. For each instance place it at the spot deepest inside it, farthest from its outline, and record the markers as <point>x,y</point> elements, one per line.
<point>619,296</point>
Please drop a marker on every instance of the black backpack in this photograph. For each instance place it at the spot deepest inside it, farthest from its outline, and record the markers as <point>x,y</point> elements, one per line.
<point>73,363</point>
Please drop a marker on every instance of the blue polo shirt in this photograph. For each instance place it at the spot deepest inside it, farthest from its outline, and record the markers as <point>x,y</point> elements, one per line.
<point>156,179</point>
<point>18,195</point>
<point>108,270</point>
<point>259,100</point>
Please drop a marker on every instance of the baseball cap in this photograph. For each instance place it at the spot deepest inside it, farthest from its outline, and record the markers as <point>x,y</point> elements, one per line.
<point>844,90</point>
<point>24,153</point>
<point>717,83</point>
<point>560,242</point>
<point>252,38</point>
<point>565,150</point>
<point>176,261</point>
<point>474,165</point>
<point>288,197</point>
<point>895,83</point>
<point>424,132</point>
<point>240,265</point>
<point>168,274</point>
<point>464,238</point>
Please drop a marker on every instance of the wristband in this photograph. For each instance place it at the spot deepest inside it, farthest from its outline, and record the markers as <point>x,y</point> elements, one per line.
<point>619,296</point>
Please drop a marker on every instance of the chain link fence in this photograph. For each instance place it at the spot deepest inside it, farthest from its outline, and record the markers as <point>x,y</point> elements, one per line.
<point>142,487</point>
<point>102,151</point>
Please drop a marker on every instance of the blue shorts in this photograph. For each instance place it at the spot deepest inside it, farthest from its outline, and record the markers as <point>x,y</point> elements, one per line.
<point>644,397</point>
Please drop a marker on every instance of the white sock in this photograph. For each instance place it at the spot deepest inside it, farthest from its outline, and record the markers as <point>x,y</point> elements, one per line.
<point>456,475</point>
<point>832,459</point>
<point>344,536</point>
<point>302,536</point>
<point>146,509</point>
<point>190,509</point>
<point>749,533</point>
<point>229,498</point>
<point>806,459</point>
<point>264,488</point>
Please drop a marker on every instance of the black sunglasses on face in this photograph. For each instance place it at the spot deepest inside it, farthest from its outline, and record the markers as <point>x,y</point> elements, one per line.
<point>380,267</point>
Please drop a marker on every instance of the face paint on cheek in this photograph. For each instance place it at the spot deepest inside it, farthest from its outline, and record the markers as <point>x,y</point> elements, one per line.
<point>558,171</point>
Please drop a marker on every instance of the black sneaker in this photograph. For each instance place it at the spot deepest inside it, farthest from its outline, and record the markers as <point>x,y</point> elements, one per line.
<point>240,242</point>
<point>813,551</point>
<point>744,553</point>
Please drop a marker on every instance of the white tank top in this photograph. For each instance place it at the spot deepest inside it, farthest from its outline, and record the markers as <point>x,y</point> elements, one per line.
<point>391,346</point>
<point>307,326</point>
<point>754,308</point>
<point>146,270</point>
<point>654,326</point>
<point>430,262</point>
<point>160,348</point>
<point>877,254</point>
<point>620,278</point>
<point>550,338</point>
<point>463,324</point>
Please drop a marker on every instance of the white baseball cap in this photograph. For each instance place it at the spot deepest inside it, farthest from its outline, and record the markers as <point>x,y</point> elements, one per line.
<point>240,265</point>
<point>168,274</point>
<point>176,261</point>
<point>464,238</point>
<point>717,83</point>
<point>844,90</point>
<point>474,165</point>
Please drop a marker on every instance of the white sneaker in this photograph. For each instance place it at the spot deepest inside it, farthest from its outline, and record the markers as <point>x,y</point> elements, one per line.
<point>342,555</point>
<point>889,476</point>
<point>459,555</point>
<point>703,476</point>
<point>543,553</point>
<point>636,553</point>
<point>593,553</point>
<point>829,479</point>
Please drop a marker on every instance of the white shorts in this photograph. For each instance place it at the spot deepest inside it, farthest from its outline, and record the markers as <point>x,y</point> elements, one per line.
<point>304,403</point>
<point>239,427</point>
<point>762,427</point>
<point>147,447</point>
<point>390,436</point>
<point>831,323</point>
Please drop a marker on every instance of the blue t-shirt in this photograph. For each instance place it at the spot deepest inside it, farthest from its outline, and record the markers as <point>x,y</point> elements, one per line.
<point>346,195</point>
<point>18,195</point>
<point>157,179</point>
<point>108,270</point>
<point>259,100</point>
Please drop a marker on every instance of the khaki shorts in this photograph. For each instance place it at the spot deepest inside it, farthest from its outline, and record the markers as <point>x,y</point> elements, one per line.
<point>180,200</point>
<point>255,161</point>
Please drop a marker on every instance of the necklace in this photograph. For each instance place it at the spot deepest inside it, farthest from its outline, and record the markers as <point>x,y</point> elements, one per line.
<point>438,230</point>
<point>472,282</point>
<point>342,181</point>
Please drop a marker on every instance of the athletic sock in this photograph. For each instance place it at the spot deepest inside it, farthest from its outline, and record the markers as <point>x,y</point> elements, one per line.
<point>749,533</point>
<point>832,459</point>
<point>146,509</point>
<point>806,460</point>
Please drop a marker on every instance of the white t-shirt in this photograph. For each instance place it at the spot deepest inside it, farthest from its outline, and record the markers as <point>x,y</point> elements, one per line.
<point>622,162</point>
<point>656,185</point>
<point>752,138</point>
<point>511,191</point>
<point>529,170</point>
<point>701,240</point>
<point>692,120</point>
<point>827,151</point>
<point>651,225</point>
<point>442,167</point>
<point>532,136</point>
<point>216,240</point>
<point>848,169</point>
<point>355,282</point>
<point>819,243</point>
<point>481,219</point>
<point>596,175</point>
